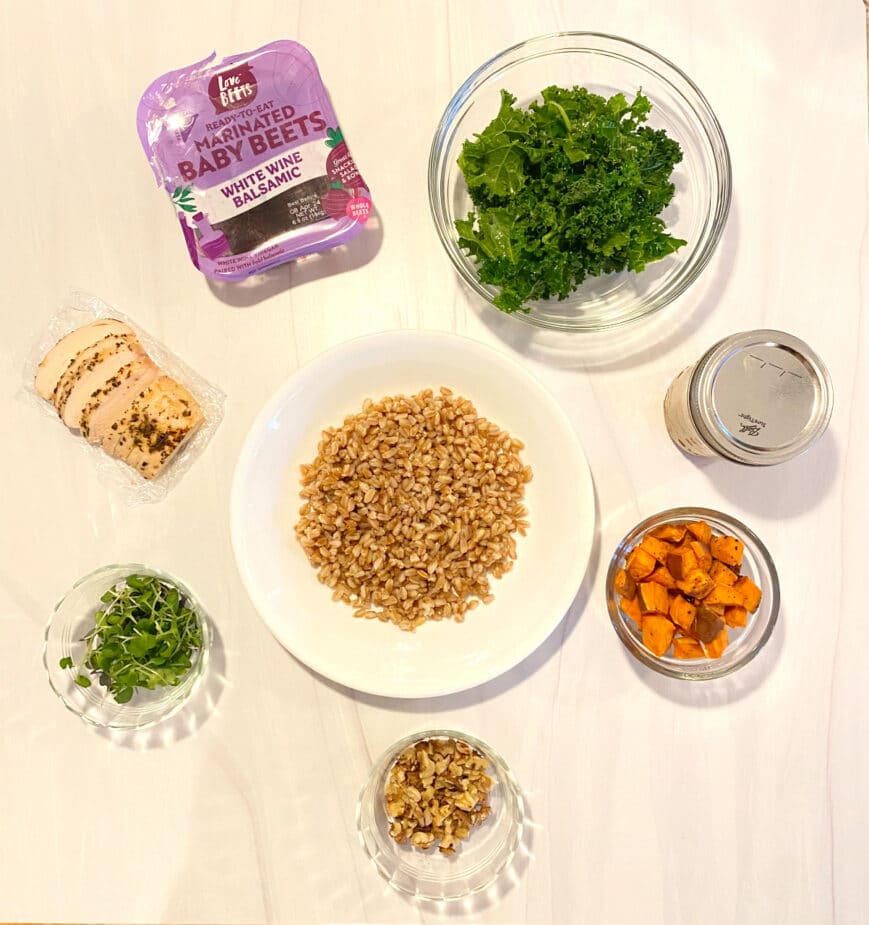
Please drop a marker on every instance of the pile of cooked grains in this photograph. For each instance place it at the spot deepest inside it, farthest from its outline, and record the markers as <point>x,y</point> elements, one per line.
<point>411,506</point>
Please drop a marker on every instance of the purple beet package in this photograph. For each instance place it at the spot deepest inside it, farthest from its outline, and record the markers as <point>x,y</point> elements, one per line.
<point>250,152</point>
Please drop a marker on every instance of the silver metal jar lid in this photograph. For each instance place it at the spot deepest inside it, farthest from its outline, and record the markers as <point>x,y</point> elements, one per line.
<point>761,397</point>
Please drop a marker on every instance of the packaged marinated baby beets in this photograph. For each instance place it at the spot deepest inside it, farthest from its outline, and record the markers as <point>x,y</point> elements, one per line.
<point>254,162</point>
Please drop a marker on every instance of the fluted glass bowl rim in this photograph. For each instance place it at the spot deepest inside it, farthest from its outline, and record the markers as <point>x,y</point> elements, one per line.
<point>176,697</point>
<point>373,790</point>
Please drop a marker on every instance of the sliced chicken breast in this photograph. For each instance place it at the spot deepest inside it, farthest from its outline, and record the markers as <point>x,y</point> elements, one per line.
<point>107,404</point>
<point>154,426</point>
<point>71,374</point>
<point>90,371</point>
<point>62,354</point>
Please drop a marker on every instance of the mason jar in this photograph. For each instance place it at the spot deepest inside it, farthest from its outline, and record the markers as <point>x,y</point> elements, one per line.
<point>757,398</point>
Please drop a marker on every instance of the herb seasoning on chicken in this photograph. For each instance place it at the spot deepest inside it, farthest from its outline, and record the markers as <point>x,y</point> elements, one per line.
<point>103,384</point>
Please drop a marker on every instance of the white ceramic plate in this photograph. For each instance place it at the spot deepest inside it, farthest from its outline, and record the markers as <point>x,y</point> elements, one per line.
<point>440,657</point>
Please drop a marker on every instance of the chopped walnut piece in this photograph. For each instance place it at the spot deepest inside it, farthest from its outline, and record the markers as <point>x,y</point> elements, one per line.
<point>437,790</point>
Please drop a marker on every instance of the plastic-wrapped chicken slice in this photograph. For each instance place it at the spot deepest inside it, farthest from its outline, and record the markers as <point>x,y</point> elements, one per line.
<point>142,413</point>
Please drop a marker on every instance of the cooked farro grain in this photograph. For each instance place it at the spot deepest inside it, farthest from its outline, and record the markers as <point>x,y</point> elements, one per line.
<point>411,506</point>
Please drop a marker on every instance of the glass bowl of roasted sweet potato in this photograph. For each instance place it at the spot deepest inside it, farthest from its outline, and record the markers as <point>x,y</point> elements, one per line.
<point>692,593</point>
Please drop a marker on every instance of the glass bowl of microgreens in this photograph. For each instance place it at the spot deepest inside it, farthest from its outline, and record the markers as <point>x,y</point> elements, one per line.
<point>126,646</point>
<point>579,181</point>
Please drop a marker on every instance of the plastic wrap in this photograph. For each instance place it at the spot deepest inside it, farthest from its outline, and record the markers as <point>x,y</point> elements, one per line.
<point>80,308</point>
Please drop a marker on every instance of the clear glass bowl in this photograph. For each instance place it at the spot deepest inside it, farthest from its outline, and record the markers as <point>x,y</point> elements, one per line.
<point>603,64</point>
<point>478,861</point>
<point>745,642</point>
<point>73,617</point>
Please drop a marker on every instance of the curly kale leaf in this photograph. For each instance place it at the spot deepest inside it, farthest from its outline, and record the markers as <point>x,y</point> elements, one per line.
<point>494,164</point>
<point>569,188</point>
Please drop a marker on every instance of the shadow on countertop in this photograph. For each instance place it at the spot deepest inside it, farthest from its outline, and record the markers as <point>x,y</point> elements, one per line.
<point>717,692</point>
<point>635,343</point>
<point>787,490</point>
<point>342,259</point>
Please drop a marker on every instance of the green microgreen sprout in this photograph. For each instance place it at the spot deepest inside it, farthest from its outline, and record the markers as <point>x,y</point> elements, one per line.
<point>145,636</point>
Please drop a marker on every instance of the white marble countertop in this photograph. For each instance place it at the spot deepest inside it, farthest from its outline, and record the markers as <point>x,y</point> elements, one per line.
<point>652,801</point>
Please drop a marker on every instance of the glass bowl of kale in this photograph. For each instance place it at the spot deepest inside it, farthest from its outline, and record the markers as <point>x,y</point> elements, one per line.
<point>579,181</point>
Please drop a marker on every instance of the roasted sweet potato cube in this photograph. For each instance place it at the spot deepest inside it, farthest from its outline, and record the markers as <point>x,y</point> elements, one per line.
<point>655,547</point>
<point>630,607</point>
<point>727,549</point>
<point>696,584</point>
<point>653,597</point>
<point>704,556</point>
<point>624,585</point>
<point>670,533</point>
<point>685,647</point>
<point>721,574</point>
<point>750,592</point>
<point>681,561</point>
<point>715,648</point>
<point>657,633</point>
<point>662,576</point>
<point>640,564</point>
<point>724,594</point>
<point>707,624</point>
<point>735,616</point>
<point>717,609</point>
<point>700,530</point>
<point>682,612</point>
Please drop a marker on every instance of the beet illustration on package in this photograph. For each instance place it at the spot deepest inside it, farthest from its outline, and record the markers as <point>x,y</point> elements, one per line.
<point>255,164</point>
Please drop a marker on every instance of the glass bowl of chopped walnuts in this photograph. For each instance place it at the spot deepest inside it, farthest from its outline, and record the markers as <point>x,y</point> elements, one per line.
<point>579,181</point>
<point>692,593</point>
<point>126,647</point>
<point>441,815</point>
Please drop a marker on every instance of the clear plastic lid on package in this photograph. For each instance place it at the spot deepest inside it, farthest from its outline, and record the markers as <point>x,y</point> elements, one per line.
<point>141,413</point>
<point>251,155</point>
